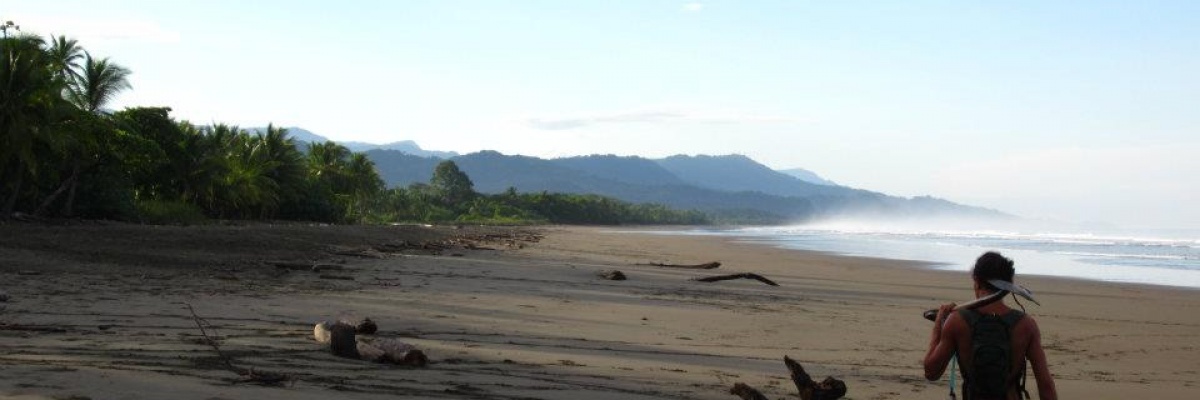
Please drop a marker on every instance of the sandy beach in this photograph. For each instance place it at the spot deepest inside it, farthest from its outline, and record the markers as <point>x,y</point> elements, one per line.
<point>100,312</point>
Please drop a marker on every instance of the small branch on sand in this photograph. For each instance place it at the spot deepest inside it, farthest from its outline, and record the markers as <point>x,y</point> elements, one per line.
<point>708,265</point>
<point>612,275</point>
<point>747,275</point>
<point>828,389</point>
<point>249,375</point>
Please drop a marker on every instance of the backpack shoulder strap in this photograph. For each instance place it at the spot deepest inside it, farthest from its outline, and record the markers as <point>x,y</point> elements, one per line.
<point>969,315</point>
<point>1011,319</point>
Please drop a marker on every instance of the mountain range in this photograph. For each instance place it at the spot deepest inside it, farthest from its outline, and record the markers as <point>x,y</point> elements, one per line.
<point>407,146</point>
<point>727,184</point>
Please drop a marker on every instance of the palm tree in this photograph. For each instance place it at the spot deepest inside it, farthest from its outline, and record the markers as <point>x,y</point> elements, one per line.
<point>364,183</point>
<point>283,163</point>
<point>93,87</point>
<point>64,55</point>
<point>30,105</point>
<point>98,83</point>
<point>326,160</point>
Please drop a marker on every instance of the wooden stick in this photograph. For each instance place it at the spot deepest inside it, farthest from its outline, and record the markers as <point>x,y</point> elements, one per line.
<point>709,265</point>
<point>747,275</point>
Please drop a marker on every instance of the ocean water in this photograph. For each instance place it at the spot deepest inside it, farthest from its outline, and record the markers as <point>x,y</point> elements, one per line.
<point>1168,258</point>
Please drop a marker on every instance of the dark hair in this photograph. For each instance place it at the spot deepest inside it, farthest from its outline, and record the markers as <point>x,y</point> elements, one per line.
<point>992,265</point>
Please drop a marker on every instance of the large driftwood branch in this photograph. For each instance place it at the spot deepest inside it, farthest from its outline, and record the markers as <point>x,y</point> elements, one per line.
<point>708,265</point>
<point>747,275</point>
<point>828,389</point>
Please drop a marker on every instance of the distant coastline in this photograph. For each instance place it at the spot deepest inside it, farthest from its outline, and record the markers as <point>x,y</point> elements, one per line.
<point>1117,259</point>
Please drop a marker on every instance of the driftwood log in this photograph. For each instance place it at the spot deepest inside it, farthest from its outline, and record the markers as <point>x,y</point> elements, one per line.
<point>747,275</point>
<point>828,389</point>
<point>709,265</point>
<point>612,275</point>
<point>344,342</point>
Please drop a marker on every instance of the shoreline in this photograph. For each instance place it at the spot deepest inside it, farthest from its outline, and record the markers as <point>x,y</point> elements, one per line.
<point>925,264</point>
<point>528,320</point>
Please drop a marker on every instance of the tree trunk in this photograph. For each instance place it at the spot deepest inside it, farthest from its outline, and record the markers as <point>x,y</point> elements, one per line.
<point>12,200</point>
<point>69,208</point>
<point>54,196</point>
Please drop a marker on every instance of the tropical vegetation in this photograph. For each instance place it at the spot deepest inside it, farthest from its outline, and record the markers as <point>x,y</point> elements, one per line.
<point>65,153</point>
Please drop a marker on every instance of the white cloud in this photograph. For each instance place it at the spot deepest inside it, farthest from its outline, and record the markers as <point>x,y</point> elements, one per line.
<point>693,7</point>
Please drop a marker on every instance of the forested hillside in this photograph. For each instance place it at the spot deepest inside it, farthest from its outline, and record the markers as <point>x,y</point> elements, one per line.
<point>64,154</point>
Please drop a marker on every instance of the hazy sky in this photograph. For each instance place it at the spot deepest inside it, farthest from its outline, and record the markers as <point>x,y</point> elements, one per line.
<point>1080,111</point>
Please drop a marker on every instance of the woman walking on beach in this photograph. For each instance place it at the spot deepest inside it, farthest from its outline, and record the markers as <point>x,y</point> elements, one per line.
<point>991,342</point>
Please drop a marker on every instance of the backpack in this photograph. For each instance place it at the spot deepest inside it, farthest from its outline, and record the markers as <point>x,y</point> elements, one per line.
<point>991,350</point>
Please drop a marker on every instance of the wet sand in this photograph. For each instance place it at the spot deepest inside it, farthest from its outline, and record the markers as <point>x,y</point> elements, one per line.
<point>95,317</point>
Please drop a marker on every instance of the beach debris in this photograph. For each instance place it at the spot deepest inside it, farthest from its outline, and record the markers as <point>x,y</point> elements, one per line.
<point>747,275</point>
<point>336,277</point>
<point>746,392</point>
<point>364,327</point>
<point>391,351</point>
<point>707,265</point>
<point>612,275</point>
<point>3,297</point>
<point>343,342</point>
<point>250,375</point>
<point>829,389</point>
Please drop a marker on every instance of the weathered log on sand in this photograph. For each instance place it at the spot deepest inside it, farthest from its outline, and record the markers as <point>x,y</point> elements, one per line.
<point>709,265</point>
<point>828,389</point>
<point>391,351</point>
<point>343,342</point>
<point>339,337</point>
<point>746,392</point>
<point>747,275</point>
<point>364,327</point>
<point>612,275</point>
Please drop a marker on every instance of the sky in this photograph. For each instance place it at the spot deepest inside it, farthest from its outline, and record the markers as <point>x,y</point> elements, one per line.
<point>1081,111</point>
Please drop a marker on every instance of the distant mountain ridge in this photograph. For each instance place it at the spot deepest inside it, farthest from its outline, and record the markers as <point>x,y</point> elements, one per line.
<point>733,184</point>
<point>406,146</point>
<point>808,176</point>
<point>720,184</point>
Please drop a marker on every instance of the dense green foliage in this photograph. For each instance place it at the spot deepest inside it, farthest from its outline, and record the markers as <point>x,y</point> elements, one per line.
<point>62,154</point>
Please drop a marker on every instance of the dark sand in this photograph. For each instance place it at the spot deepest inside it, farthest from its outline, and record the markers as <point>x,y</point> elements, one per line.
<point>99,311</point>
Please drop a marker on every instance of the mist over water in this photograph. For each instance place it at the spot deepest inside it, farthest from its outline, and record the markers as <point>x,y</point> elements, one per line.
<point>1163,257</point>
